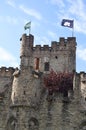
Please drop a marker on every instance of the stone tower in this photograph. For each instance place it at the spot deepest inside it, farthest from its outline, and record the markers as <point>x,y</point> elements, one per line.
<point>60,56</point>
<point>26,50</point>
<point>27,89</point>
<point>26,106</point>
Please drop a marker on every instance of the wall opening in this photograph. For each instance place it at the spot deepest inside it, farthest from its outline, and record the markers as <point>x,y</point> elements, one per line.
<point>36,63</point>
<point>12,123</point>
<point>33,124</point>
<point>24,92</point>
<point>46,66</point>
<point>56,57</point>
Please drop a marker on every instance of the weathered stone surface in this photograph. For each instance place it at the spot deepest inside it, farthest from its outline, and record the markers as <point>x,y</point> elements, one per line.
<point>24,101</point>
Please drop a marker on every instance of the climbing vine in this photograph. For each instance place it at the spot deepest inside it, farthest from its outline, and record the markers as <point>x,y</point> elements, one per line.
<point>61,82</point>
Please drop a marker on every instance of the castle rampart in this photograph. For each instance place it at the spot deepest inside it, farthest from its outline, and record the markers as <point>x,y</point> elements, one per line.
<point>6,71</point>
<point>69,42</point>
<point>28,41</point>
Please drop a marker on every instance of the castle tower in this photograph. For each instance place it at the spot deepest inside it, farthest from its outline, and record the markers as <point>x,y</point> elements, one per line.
<point>60,57</point>
<point>26,50</point>
<point>23,84</point>
<point>26,88</point>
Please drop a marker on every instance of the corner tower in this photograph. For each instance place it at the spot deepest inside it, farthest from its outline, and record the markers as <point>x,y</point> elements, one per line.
<point>26,50</point>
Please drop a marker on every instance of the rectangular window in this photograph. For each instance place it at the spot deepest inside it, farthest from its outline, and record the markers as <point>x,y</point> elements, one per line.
<point>46,66</point>
<point>37,63</point>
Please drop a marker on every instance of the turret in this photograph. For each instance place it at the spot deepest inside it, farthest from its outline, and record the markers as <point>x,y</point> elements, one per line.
<point>26,49</point>
<point>22,78</point>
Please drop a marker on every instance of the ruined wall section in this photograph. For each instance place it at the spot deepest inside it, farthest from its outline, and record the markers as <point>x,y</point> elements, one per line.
<point>6,79</point>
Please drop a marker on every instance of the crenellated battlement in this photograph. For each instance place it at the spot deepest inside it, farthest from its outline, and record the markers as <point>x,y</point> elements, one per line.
<point>63,43</point>
<point>27,42</point>
<point>7,72</point>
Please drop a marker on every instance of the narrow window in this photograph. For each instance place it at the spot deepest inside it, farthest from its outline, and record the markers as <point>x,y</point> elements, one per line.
<point>37,63</point>
<point>46,66</point>
<point>56,57</point>
<point>85,98</point>
<point>24,92</point>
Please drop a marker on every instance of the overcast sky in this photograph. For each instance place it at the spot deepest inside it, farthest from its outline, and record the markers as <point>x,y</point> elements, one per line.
<point>45,17</point>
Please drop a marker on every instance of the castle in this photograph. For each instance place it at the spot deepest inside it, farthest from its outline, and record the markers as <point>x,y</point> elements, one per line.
<point>23,97</point>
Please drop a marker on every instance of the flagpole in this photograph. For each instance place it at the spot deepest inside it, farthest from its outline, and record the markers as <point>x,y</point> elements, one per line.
<point>73,29</point>
<point>29,30</point>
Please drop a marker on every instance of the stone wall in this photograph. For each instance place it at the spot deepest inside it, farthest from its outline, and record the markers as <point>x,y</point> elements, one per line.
<point>24,103</point>
<point>42,114</point>
<point>6,79</point>
<point>61,115</point>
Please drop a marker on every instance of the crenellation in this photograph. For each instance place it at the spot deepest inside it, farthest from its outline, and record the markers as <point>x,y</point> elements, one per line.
<point>54,44</point>
<point>61,40</point>
<point>46,47</point>
<point>3,69</point>
<point>71,39</point>
<point>6,71</point>
<point>23,39</point>
<point>41,48</point>
<point>37,47</point>
<point>31,41</point>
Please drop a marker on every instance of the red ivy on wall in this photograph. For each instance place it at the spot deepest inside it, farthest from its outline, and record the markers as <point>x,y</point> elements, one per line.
<point>58,81</point>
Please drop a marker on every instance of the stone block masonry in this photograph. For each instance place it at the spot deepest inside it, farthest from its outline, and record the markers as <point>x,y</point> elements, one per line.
<point>23,97</point>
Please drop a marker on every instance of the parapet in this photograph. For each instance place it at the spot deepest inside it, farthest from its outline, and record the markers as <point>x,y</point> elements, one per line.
<point>46,47</point>
<point>26,44</point>
<point>38,47</point>
<point>71,39</point>
<point>54,44</point>
<point>65,43</point>
<point>6,72</point>
<point>62,40</point>
<point>27,40</point>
